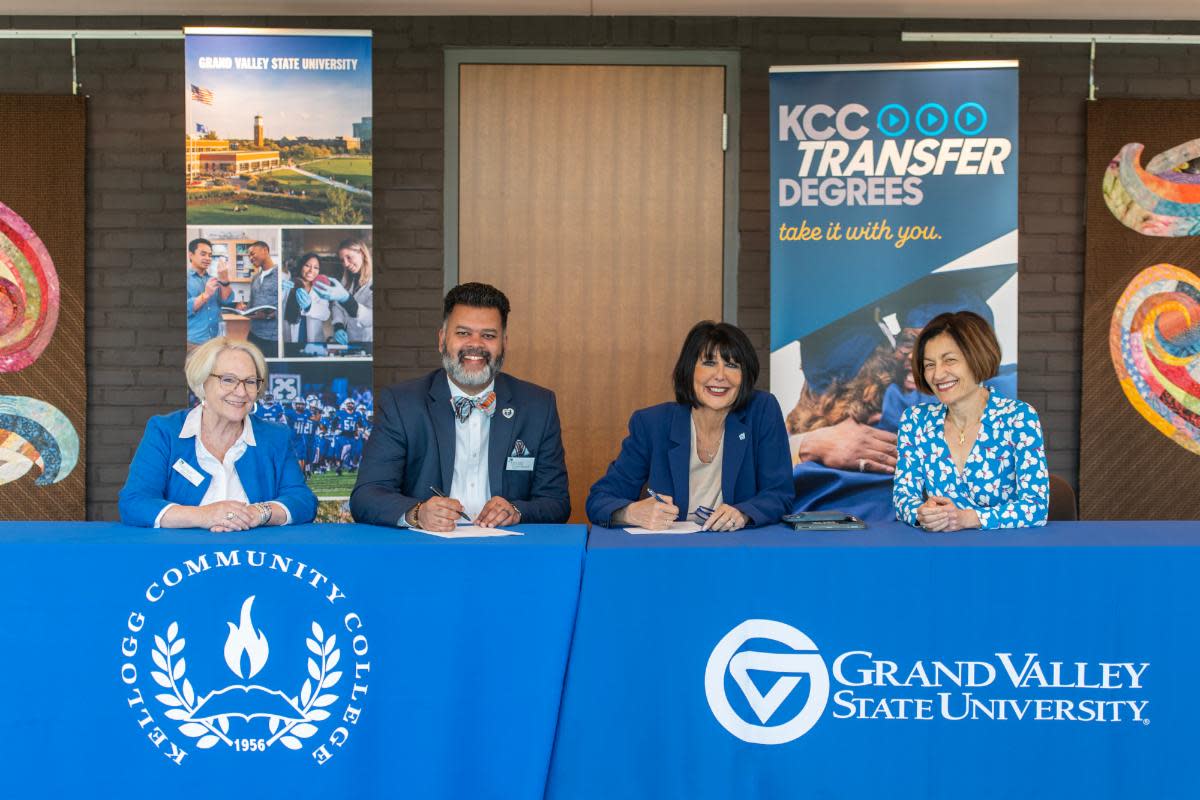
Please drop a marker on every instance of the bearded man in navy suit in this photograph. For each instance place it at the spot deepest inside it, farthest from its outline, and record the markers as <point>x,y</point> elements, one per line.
<point>490,443</point>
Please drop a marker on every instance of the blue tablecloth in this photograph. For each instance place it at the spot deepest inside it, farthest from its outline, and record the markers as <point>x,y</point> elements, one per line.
<point>1059,662</point>
<point>434,668</point>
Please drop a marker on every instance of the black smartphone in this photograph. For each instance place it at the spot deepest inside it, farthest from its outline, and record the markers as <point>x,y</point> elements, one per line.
<point>823,521</point>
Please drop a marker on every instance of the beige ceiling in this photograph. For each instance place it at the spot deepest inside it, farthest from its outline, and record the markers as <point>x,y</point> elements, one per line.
<point>944,9</point>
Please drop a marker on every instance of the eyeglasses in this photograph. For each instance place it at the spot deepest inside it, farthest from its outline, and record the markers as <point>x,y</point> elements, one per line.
<point>230,382</point>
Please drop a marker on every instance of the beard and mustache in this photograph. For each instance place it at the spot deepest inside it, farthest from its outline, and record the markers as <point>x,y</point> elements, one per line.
<point>459,373</point>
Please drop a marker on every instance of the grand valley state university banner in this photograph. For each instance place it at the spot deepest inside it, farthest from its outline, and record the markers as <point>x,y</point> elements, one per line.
<point>280,249</point>
<point>894,198</point>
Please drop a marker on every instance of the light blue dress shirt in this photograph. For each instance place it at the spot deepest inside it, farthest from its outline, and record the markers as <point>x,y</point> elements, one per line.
<point>204,324</point>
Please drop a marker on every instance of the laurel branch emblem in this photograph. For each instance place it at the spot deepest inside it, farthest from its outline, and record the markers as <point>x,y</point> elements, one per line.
<point>206,719</point>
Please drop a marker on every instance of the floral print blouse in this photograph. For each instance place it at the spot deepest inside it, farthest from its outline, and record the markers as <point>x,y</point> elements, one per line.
<point>1005,479</point>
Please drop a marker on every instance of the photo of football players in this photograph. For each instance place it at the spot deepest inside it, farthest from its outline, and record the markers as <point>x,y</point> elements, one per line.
<point>329,408</point>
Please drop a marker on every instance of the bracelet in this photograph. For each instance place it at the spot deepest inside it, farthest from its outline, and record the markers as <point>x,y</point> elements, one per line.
<point>517,510</point>
<point>264,512</point>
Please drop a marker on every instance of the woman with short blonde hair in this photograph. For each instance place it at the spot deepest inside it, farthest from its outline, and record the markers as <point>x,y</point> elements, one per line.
<point>199,364</point>
<point>214,466</point>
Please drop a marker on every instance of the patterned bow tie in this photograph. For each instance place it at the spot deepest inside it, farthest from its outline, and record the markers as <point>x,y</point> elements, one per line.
<point>463,406</point>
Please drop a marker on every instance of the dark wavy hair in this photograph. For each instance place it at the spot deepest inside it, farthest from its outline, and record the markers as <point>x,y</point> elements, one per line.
<point>706,339</point>
<point>476,295</point>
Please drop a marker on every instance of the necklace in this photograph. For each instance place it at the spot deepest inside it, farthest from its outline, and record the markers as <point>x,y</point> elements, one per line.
<point>707,454</point>
<point>962,429</point>
<point>962,432</point>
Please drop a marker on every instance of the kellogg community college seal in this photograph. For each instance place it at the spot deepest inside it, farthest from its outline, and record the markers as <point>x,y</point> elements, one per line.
<point>245,650</point>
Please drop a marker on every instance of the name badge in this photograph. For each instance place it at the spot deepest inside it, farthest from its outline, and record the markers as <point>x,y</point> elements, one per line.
<point>520,463</point>
<point>187,471</point>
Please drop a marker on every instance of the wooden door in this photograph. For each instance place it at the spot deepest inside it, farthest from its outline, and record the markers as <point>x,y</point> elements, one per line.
<point>593,196</point>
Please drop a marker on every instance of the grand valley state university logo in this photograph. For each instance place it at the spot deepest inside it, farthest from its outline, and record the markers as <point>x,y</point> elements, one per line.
<point>994,687</point>
<point>245,651</point>
<point>727,656</point>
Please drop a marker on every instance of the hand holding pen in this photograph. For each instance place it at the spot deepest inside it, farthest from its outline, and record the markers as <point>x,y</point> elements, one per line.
<point>656,512</point>
<point>439,513</point>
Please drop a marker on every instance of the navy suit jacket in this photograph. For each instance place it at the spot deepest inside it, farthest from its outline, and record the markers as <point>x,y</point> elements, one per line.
<point>756,470</point>
<point>412,448</point>
<point>268,471</point>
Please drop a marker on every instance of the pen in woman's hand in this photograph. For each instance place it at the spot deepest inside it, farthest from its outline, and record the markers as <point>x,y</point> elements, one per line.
<point>667,510</point>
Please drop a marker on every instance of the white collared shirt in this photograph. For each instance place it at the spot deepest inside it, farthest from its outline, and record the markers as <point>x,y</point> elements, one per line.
<point>471,485</point>
<point>225,483</point>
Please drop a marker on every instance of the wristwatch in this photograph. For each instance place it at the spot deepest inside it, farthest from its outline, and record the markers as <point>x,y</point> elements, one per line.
<point>415,520</point>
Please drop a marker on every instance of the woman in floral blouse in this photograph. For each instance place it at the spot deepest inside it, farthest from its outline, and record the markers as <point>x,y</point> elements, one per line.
<point>976,459</point>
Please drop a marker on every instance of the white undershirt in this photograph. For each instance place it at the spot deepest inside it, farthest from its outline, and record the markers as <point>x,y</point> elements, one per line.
<point>471,485</point>
<point>225,483</point>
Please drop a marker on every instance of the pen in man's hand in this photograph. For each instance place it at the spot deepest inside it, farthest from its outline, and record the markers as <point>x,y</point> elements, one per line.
<point>462,514</point>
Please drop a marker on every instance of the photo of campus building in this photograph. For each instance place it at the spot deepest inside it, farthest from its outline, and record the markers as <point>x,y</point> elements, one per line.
<point>292,180</point>
<point>298,154</point>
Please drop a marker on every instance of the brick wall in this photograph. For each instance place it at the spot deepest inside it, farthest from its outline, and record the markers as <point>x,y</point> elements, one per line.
<point>135,225</point>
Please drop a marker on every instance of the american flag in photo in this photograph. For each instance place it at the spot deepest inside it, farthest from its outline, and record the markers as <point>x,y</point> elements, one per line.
<point>202,95</point>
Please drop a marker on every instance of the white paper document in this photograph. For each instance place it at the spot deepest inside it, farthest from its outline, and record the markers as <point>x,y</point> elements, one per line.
<point>470,532</point>
<point>676,527</point>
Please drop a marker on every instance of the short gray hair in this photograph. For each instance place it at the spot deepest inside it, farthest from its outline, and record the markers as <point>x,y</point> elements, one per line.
<point>200,362</point>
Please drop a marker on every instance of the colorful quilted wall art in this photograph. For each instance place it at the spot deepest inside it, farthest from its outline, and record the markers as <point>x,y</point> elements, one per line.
<point>1155,344</point>
<point>43,378</point>
<point>35,434</point>
<point>29,296</point>
<point>32,432</point>
<point>1161,199</point>
<point>1139,425</point>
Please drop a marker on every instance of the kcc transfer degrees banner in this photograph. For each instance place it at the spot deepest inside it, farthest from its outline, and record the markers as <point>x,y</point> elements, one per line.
<point>893,199</point>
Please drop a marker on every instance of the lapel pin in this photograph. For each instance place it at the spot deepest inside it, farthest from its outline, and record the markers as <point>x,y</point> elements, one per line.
<point>508,413</point>
<point>741,437</point>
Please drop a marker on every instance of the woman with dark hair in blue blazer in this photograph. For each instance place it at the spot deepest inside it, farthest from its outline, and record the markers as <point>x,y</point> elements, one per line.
<point>212,467</point>
<point>720,449</point>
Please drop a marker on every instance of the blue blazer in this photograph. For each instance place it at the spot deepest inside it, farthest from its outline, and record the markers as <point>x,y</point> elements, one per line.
<point>756,473</point>
<point>412,448</point>
<point>268,471</point>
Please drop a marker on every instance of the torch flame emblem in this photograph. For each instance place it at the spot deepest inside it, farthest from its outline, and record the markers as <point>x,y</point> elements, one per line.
<point>243,640</point>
